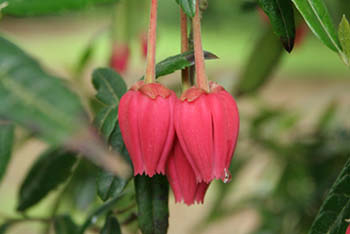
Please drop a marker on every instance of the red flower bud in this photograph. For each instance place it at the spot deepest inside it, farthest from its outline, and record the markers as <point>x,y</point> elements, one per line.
<point>120,58</point>
<point>143,42</point>
<point>207,126</point>
<point>348,230</point>
<point>182,178</point>
<point>146,124</point>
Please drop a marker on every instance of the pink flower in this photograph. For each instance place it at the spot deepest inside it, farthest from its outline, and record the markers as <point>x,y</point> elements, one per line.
<point>182,178</point>
<point>119,60</point>
<point>207,126</point>
<point>348,230</point>
<point>147,126</point>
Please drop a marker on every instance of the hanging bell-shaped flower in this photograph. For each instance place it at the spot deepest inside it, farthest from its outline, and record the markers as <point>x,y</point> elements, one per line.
<point>182,178</point>
<point>207,126</point>
<point>147,126</point>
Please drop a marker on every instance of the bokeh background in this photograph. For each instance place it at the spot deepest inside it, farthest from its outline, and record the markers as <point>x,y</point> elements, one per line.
<point>295,131</point>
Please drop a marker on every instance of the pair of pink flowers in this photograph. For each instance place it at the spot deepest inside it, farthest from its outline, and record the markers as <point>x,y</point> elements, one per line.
<point>191,139</point>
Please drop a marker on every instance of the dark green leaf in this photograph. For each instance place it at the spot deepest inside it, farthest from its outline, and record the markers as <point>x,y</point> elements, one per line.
<point>35,99</point>
<point>64,225</point>
<point>111,226</point>
<point>81,190</point>
<point>106,120</point>
<point>317,17</point>
<point>51,169</point>
<point>179,62</point>
<point>5,227</point>
<point>117,143</point>
<point>109,185</point>
<point>93,217</point>
<point>39,7</point>
<point>110,88</point>
<point>6,142</point>
<point>152,196</point>
<point>344,37</point>
<point>188,6</point>
<point>281,15</point>
<point>262,62</point>
<point>109,85</point>
<point>336,207</point>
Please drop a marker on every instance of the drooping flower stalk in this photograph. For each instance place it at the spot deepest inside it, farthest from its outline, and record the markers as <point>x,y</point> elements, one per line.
<point>186,83</point>
<point>206,121</point>
<point>201,77</point>
<point>150,76</point>
<point>146,115</point>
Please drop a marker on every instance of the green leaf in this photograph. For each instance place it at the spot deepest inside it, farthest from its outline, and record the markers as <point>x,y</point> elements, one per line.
<point>110,88</point>
<point>179,62</point>
<point>263,60</point>
<point>117,143</point>
<point>188,6</point>
<point>51,169</point>
<point>109,85</point>
<point>93,217</point>
<point>344,38</point>
<point>111,225</point>
<point>317,17</point>
<point>281,15</point>
<point>109,185</point>
<point>35,99</point>
<point>5,227</point>
<point>335,209</point>
<point>64,225</point>
<point>152,196</point>
<point>6,143</point>
<point>39,7</point>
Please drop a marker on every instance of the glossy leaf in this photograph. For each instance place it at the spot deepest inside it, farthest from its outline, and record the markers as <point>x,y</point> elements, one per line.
<point>152,196</point>
<point>281,15</point>
<point>39,7</point>
<point>110,88</point>
<point>111,225</point>
<point>188,6</point>
<point>179,62</point>
<point>64,225</point>
<point>6,143</point>
<point>93,216</point>
<point>263,60</point>
<point>109,85</point>
<point>336,207</point>
<point>51,169</point>
<point>344,38</point>
<point>317,17</point>
<point>35,99</point>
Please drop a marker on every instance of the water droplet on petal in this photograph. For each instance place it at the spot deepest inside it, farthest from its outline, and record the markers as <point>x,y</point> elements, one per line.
<point>228,176</point>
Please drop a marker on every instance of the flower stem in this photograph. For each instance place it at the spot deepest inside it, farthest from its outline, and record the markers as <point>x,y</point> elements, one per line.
<point>201,77</point>
<point>150,76</point>
<point>186,83</point>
